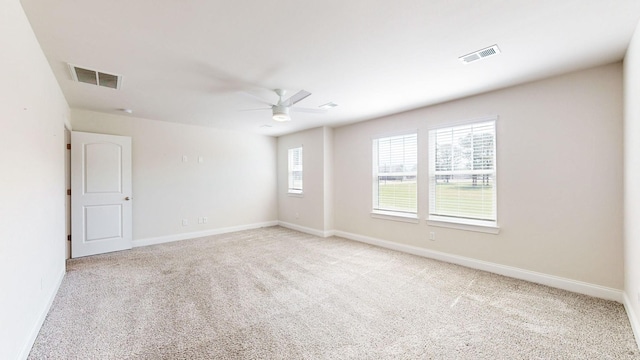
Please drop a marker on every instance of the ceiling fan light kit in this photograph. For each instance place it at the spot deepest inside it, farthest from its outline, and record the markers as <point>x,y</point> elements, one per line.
<point>281,113</point>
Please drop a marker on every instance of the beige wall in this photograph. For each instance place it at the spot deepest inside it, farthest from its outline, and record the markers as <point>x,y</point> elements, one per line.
<point>559,159</point>
<point>32,192</point>
<point>631,181</point>
<point>235,185</point>
<point>313,209</point>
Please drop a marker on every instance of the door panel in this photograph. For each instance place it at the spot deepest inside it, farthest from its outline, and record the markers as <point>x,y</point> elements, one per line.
<point>103,222</point>
<point>103,163</point>
<point>101,206</point>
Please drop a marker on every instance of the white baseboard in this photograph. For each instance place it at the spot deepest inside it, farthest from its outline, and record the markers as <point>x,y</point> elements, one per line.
<point>633,318</point>
<point>580,287</point>
<point>307,230</point>
<point>35,329</point>
<point>198,234</point>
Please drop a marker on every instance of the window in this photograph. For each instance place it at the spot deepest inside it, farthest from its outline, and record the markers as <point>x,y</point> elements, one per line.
<point>395,165</point>
<point>462,174</point>
<point>295,170</point>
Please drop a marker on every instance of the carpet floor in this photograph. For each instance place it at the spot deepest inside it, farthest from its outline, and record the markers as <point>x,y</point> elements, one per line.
<point>274,293</point>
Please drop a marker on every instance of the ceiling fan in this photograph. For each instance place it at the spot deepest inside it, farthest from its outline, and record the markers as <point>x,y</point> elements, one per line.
<point>280,110</point>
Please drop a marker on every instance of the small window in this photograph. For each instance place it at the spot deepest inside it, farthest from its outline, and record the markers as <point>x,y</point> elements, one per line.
<point>462,174</point>
<point>395,169</point>
<point>295,170</point>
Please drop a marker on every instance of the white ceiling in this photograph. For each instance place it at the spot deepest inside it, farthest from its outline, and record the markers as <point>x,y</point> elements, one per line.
<point>193,61</point>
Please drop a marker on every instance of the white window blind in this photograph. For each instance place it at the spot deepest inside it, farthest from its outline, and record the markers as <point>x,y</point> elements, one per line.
<point>295,170</point>
<point>462,174</point>
<point>395,165</point>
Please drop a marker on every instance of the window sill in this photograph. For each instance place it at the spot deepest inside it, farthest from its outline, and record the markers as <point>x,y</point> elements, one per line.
<point>395,216</point>
<point>295,194</point>
<point>468,226</point>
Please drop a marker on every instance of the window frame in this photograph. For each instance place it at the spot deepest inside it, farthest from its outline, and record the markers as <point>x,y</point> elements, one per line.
<point>291,189</point>
<point>391,214</point>
<point>463,223</point>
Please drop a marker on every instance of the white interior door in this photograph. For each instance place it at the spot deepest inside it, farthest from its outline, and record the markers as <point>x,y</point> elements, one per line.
<point>67,186</point>
<point>101,206</point>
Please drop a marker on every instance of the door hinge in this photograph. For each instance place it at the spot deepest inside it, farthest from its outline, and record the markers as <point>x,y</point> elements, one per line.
<point>68,237</point>
<point>68,146</point>
<point>68,191</point>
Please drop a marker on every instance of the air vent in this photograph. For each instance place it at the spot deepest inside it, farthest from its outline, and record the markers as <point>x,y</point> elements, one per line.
<point>480,54</point>
<point>95,77</point>
<point>328,105</point>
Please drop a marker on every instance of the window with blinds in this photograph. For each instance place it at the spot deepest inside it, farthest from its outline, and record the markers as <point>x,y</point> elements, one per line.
<point>295,170</point>
<point>462,174</point>
<point>395,166</point>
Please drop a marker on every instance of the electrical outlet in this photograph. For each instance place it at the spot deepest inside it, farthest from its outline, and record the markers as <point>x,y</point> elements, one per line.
<point>297,215</point>
<point>200,159</point>
<point>205,220</point>
<point>200,220</point>
<point>432,236</point>
<point>185,222</point>
<point>185,158</point>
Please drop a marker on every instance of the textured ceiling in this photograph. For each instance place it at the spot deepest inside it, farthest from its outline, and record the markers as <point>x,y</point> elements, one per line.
<point>202,61</point>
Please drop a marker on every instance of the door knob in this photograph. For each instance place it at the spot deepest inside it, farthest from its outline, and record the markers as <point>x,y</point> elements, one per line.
<point>127,198</point>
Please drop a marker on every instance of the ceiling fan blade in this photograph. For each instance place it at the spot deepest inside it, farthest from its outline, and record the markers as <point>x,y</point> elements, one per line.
<point>308,110</point>
<point>255,97</point>
<point>297,97</point>
<point>224,81</point>
<point>256,109</point>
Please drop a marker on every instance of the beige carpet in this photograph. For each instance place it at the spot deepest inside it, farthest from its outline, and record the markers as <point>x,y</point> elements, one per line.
<point>275,293</point>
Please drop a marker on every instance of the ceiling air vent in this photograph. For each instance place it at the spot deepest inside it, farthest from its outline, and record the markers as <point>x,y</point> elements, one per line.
<point>95,77</point>
<point>480,54</point>
<point>328,105</point>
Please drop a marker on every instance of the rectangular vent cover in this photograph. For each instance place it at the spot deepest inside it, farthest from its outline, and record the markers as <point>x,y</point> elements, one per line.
<point>95,77</point>
<point>328,105</point>
<point>480,54</point>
